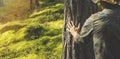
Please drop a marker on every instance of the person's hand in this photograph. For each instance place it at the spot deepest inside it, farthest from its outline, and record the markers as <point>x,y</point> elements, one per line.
<point>72,29</point>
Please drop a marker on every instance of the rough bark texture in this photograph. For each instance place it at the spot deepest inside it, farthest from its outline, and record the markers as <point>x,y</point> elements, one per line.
<point>78,11</point>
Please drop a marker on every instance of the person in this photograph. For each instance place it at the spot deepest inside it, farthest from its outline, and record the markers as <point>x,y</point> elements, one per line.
<point>100,35</point>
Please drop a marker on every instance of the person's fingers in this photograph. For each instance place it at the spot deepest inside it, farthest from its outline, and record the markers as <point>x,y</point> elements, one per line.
<point>78,26</point>
<point>69,24</point>
<point>72,23</point>
<point>68,29</point>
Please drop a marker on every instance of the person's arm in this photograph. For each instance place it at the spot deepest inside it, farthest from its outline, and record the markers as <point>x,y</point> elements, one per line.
<point>82,38</point>
<point>85,31</point>
<point>73,30</point>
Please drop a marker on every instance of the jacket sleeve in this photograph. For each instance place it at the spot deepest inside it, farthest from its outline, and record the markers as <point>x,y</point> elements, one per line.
<point>84,39</point>
<point>87,29</point>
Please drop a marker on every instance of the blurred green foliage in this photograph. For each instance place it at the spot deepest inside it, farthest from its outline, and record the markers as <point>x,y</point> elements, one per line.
<point>50,13</point>
<point>37,37</point>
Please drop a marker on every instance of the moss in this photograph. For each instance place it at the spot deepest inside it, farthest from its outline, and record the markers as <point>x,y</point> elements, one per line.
<point>51,13</point>
<point>30,56</point>
<point>16,25</point>
<point>7,38</point>
<point>51,9</point>
<point>34,31</point>
<point>37,37</point>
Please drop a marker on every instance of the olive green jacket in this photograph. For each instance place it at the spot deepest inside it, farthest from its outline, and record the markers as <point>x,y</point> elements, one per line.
<point>100,36</point>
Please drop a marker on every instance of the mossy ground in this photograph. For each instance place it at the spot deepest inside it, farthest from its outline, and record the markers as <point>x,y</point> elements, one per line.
<point>37,37</point>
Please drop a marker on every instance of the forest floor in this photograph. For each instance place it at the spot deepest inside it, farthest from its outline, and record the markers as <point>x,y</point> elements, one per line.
<point>39,36</point>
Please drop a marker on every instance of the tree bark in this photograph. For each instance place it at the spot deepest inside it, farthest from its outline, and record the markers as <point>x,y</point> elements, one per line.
<point>1,3</point>
<point>33,4</point>
<point>77,11</point>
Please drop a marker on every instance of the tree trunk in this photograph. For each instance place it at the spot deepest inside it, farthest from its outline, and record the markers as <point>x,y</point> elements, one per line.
<point>1,3</point>
<point>33,4</point>
<point>77,11</point>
